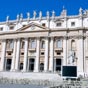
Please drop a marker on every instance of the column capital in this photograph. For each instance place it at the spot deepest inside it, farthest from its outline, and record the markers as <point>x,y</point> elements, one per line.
<point>38,38</point>
<point>52,37</point>
<point>65,37</point>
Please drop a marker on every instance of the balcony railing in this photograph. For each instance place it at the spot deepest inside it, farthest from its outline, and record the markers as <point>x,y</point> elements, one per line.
<point>9,50</point>
<point>58,49</point>
<point>32,49</point>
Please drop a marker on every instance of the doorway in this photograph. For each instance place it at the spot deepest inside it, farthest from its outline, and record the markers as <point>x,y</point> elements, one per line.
<point>57,64</point>
<point>31,64</point>
<point>8,64</point>
<point>41,67</point>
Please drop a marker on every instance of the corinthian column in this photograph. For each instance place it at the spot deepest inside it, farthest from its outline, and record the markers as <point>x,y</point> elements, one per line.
<point>3,55</point>
<point>51,54</point>
<point>80,55</point>
<point>14,56</point>
<point>64,51</point>
<point>46,55</point>
<point>36,69</point>
<point>25,55</point>
<point>17,55</point>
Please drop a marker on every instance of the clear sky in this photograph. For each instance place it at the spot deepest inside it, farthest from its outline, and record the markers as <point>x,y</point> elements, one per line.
<point>14,7</point>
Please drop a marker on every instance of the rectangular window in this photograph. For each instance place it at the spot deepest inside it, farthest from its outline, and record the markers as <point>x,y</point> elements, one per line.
<point>43,24</point>
<point>33,44</point>
<point>59,43</point>
<point>43,45</point>
<point>72,23</point>
<point>1,29</point>
<point>58,24</point>
<point>11,27</point>
<point>42,53</point>
<point>11,44</point>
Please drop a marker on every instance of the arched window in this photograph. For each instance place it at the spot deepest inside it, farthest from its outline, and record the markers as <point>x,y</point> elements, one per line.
<point>73,45</point>
<point>59,44</point>
<point>43,44</point>
<point>41,66</point>
<point>22,45</point>
<point>33,44</point>
<point>11,44</point>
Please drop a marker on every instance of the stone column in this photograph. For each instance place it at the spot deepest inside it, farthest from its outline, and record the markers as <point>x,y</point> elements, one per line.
<point>64,51</point>
<point>14,56</point>
<point>17,55</point>
<point>80,55</point>
<point>25,55</point>
<point>3,55</point>
<point>51,67</point>
<point>46,55</point>
<point>36,69</point>
<point>84,63</point>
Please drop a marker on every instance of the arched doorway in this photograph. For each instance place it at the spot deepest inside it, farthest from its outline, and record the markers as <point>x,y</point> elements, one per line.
<point>21,66</point>
<point>31,64</point>
<point>57,64</point>
<point>8,64</point>
<point>41,67</point>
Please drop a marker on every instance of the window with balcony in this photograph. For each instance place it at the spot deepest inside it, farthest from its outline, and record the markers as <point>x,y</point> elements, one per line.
<point>59,44</point>
<point>33,44</point>
<point>22,45</point>
<point>43,44</point>
<point>9,44</point>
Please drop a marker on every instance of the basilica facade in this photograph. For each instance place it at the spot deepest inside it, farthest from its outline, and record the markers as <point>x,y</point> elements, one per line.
<point>45,44</point>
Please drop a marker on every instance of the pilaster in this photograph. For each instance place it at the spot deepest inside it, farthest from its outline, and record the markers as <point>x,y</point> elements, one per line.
<point>51,68</point>
<point>36,69</point>
<point>46,54</point>
<point>25,55</point>
<point>3,55</point>
<point>17,55</point>
<point>14,56</point>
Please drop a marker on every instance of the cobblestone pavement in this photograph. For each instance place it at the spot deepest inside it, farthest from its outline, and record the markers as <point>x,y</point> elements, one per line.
<point>19,86</point>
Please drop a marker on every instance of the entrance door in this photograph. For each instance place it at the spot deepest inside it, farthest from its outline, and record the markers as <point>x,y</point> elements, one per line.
<point>58,65</point>
<point>31,64</point>
<point>8,64</point>
<point>41,67</point>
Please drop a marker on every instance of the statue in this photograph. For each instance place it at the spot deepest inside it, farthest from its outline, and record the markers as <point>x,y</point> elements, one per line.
<point>28,15</point>
<point>40,14</point>
<point>34,14</point>
<point>7,18</point>
<point>18,17</point>
<point>21,16</point>
<point>53,15</point>
<point>47,15</point>
<point>80,11</point>
<point>71,58</point>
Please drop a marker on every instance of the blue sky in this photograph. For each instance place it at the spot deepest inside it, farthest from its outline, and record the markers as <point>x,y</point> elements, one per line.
<point>14,7</point>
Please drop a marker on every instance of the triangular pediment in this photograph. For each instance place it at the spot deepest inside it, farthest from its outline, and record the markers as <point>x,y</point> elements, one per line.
<point>32,27</point>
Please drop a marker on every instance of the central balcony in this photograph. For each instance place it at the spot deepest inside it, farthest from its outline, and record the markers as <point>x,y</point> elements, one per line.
<point>32,49</point>
<point>9,50</point>
<point>60,49</point>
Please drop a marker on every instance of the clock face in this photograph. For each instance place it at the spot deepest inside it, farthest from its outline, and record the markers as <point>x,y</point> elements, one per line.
<point>32,27</point>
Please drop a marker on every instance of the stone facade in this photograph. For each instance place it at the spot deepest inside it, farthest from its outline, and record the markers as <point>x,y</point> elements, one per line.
<point>45,44</point>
